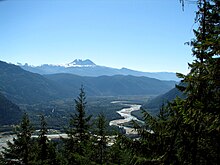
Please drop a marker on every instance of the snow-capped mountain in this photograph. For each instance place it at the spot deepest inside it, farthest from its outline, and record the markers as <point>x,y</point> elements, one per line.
<point>89,68</point>
<point>81,63</point>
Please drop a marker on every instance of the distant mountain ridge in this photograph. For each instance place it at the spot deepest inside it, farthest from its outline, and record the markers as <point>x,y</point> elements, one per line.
<point>89,68</point>
<point>24,87</point>
<point>112,85</point>
<point>81,63</point>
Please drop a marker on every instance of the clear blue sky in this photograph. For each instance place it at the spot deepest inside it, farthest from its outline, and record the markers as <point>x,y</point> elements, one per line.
<point>145,35</point>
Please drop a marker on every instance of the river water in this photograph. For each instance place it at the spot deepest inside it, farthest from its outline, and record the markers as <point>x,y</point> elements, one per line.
<point>4,139</point>
<point>127,116</point>
<point>125,113</point>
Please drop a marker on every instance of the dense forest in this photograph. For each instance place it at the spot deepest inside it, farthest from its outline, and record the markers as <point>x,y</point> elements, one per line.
<point>10,113</point>
<point>186,131</point>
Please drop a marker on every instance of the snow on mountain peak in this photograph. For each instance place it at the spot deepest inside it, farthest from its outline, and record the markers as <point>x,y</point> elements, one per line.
<point>81,63</point>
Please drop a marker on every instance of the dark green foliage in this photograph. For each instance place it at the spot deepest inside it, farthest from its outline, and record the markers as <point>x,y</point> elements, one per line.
<point>187,130</point>
<point>101,139</point>
<point>20,149</point>
<point>201,107</point>
<point>2,160</point>
<point>25,149</point>
<point>47,153</point>
<point>43,140</point>
<point>78,143</point>
<point>79,124</point>
<point>120,151</point>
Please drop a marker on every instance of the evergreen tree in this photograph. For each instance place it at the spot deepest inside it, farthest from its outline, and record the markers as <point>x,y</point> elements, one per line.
<point>80,122</point>
<point>187,132</point>
<point>101,140</point>
<point>2,160</point>
<point>20,149</point>
<point>78,142</point>
<point>156,138</point>
<point>120,152</point>
<point>200,110</point>
<point>43,140</point>
<point>47,154</point>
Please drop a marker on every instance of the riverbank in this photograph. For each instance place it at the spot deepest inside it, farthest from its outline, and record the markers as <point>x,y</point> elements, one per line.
<point>126,115</point>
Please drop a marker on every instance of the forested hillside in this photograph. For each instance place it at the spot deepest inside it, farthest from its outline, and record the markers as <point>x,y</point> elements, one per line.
<point>24,87</point>
<point>21,86</point>
<point>9,112</point>
<point>156,103</point>
<point>113,85</point>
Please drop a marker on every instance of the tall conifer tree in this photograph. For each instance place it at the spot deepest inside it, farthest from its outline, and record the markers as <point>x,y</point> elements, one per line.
<point>190,133</point>
<point>43,140</point>
<point>201,109</point>
<point>20,149</point>
<point>101,125</point>
<point>77,144</point>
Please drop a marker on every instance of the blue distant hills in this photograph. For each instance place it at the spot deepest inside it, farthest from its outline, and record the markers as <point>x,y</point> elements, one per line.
<point>89,68</point>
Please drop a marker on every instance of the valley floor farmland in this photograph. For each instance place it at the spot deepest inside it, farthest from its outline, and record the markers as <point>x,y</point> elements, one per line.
<point>57,113</point>
<point>127,106</point>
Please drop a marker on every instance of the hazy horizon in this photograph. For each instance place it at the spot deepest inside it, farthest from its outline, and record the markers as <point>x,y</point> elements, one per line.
<point>147,36</point>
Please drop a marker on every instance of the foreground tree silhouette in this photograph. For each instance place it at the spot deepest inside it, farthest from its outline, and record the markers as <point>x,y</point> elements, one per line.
<point>201,109</point>
<point>20,149</point>
<point>43,140</point>
<point>77,144</point>
<point>45,149</point>
<point>101,139</point>
<point>189,131</point>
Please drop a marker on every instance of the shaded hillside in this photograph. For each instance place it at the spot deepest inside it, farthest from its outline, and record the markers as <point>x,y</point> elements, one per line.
<point>113,85</point>
<point>153,106</point>
<point>9,112</point>
<point>22,86</point>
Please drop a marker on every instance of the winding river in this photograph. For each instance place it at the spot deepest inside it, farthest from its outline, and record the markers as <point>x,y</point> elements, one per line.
<point>127,117</point>
<point>125,113</point>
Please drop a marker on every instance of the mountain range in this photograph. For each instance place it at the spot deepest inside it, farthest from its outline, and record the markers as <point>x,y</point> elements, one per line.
<point>24,87</point>
<point>89,68</point>
<point>112,85</point>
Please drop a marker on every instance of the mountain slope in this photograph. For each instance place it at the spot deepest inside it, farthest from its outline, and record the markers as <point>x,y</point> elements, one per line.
<point>163,99</point>
<point>22,86</point>
<point>89,68</point>
<point>9,112</point>
<point>154,105</point>
<point>113,85</point>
